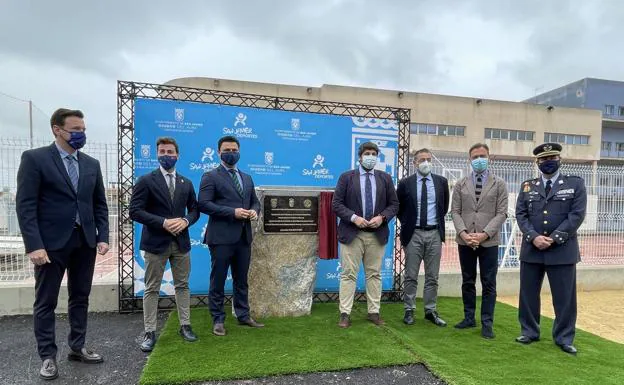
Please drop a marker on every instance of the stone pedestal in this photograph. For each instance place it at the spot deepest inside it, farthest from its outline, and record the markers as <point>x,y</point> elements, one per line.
<point>282,273</point>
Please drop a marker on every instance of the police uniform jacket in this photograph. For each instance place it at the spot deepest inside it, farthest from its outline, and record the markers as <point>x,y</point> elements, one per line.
<point>558,216</point>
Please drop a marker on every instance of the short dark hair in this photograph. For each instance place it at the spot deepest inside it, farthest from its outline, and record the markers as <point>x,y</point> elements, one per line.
<point>479,145</point>
<point>367,146</point>
<point>421,151</point>
<point>167,140</point>
<point>59,116</point>
<point>228,138</point>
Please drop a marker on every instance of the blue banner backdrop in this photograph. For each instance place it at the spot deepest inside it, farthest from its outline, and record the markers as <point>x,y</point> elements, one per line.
<point>278,148</point>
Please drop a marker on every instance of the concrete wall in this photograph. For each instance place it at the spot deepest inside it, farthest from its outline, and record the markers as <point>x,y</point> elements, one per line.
<point>447,110</point>
<point>18,298</point>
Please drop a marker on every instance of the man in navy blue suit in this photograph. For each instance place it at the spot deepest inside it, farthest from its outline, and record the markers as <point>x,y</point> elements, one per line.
<point>228,196</point>
<point>164,202</point>
<point>63,216</point>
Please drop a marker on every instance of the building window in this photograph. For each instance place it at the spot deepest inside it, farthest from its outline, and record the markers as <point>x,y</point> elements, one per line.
<point>566,138</point>
<point>436,129</point>
<point>513,135</point>
<point>620,147</point>
<point>621,110</point>
<point>609,109</point>
<point>606,146</point>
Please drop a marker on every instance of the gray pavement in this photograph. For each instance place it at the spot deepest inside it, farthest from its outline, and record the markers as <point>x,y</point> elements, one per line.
<point>116,337</point>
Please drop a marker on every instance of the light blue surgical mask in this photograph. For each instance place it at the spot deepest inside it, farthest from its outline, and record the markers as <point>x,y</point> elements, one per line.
<point>369,161</point>
<point>479,164</point>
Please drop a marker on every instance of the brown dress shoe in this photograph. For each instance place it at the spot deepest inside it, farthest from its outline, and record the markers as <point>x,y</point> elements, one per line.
<point>345,322</point>
<point>218,330</point>
<point>251,323</point>
<point>376,319</point>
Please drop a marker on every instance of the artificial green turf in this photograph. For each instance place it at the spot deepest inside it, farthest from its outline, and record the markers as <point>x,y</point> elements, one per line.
<point>286,345</point>
<point>315,343</point>
<point>463,357</point>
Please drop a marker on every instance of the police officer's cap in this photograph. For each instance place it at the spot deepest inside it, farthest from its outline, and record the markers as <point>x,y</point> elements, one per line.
<point>547,149</point>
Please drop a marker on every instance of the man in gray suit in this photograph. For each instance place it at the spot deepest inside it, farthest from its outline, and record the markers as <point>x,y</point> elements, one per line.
<point>479,209</point>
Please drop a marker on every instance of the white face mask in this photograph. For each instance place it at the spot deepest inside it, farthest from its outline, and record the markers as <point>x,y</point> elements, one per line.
<point>424,168</point>
<point>369,161</point>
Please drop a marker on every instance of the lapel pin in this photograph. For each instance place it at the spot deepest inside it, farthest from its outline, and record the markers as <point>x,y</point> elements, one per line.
<point>560,182</point>
<point>537,184</point>
<point>181,180</point>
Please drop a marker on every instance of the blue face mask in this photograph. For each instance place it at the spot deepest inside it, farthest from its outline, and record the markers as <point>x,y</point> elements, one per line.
<point>167,162</point>
<point>479,164</point>
<point>230,158</point>
<point>549,167</point>
<point>77,140</point>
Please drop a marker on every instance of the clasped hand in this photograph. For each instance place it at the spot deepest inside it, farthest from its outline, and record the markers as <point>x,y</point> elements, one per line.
<point>175,225</point>
<point>473,239</point>
<point>374,223</point>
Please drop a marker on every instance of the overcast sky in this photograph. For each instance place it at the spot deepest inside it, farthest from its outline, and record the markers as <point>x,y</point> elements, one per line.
<point>71,53</point>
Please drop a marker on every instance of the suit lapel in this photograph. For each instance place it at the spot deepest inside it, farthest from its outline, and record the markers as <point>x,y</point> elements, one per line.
<point>162,184</point>
<point>358,189</point>
<point>82,171</point>
<point>226,174</point>
<point>56,158</point>
<point>380,189</point>
<point>413,186</point>
<point>471,188</point>
<point>539,186</point>
<point>486,188</point>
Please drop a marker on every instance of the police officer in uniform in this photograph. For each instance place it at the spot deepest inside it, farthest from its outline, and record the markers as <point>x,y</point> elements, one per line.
<point>549,211</point>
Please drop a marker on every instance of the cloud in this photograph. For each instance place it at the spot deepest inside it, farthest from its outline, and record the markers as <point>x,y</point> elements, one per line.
<point>71,53</point>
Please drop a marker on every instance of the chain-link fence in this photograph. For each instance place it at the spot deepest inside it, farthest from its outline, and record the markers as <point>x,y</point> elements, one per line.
<point>14,265</point>
<point>601,235</point>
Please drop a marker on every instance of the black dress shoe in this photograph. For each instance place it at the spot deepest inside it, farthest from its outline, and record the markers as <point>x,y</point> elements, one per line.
<point>86,356</point>
<point>466,323</point>
<point>526,340</point>
<point>250,322</point>
<point>218,329</point>
<point>409,317</point>
<point>149,340</point>
<point>487,332</point>
<point>49,370</point>
<point>570,349</point>
<point>187,333</point>
<point>435,319</point>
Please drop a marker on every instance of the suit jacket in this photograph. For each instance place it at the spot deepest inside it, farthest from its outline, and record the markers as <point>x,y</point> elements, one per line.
<point>348,201</point>
<point>408,205</point>
<point>151,204</point>
<point>487,215</point>
<point>558,215</point>
<point>46,200</point>
<point>218,197</point>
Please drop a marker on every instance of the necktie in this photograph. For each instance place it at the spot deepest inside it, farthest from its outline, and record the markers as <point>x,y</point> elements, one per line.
<point>239,188</point>
<point>368,192</point>
<point>548,186</point>
<point>478,187</point>
<point>73,177</point>
<point>171,186</point>
<point>423,203</point>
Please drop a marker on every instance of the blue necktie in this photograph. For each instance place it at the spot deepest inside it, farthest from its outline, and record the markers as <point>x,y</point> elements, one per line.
<point>368,192</point>
<point>73,177</point>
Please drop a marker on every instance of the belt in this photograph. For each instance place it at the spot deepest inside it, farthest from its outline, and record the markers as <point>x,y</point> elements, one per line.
<point>427,228</point>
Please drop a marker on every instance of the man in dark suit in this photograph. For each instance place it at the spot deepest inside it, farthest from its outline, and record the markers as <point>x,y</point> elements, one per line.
<point>228,196</point>
<point>164,202</point>
<point>423,204</point>
<point>63,216</point>
<point>549,211</point>
<point>365,201</point>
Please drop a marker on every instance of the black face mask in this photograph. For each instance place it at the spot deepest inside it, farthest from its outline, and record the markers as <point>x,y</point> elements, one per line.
<point>549,167</point>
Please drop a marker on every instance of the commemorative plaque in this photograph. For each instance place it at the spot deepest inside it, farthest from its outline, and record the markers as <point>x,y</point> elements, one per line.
<point>285,214</point>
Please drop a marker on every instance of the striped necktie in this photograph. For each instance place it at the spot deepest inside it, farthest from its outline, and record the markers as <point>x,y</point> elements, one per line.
<point>478,186</point>
<point>239,188</point>
<point>171,186</point>
<point>73,177</point>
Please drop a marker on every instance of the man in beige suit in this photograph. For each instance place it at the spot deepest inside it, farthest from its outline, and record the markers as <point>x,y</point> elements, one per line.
<point>479,209</point>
